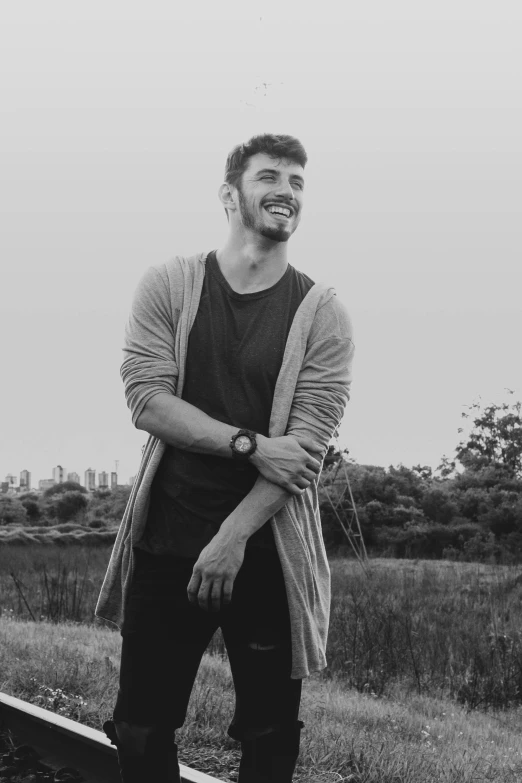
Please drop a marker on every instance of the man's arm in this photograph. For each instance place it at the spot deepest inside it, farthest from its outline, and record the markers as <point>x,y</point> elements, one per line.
<point>286,461</point>
<point>213,576</point>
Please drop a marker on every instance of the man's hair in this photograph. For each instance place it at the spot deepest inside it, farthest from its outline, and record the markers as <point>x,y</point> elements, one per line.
<point>276,146</point>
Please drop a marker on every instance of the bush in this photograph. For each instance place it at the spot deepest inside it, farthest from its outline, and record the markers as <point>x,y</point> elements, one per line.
<point>109,504</point>
<point>65,486</point>
<point>12,512</point>
<point>101,494</point>
<point>392,516</point>
<point>69,504</point>
<point>483,547</point>
<point>33,509</point>
<point>425,540</point>
<point>473,502</point>
<point>377,513</point>
<point>438,506</point>
<point>504,519</point>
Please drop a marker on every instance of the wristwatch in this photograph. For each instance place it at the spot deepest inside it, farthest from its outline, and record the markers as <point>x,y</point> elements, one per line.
<point>243,445</point>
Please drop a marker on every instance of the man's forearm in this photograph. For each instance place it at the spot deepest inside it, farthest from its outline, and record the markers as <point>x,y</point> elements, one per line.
<point>263,501</point>
<point>181,424</point>
<point>290,462</point>
<point>219,562</point>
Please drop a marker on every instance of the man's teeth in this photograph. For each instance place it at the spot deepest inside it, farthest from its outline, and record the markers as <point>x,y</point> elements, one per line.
<point>279,211</point>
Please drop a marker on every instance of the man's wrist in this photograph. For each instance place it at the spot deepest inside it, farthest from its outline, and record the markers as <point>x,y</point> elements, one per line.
<point>256,459</point>
<point>263,501</point>
<point>235,530</point>
<point>243,444</point>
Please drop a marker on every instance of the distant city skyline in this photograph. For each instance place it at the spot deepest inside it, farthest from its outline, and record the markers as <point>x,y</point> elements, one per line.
<point>26,482</point>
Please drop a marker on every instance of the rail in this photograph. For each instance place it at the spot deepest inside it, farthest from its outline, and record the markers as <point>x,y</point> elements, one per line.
<point>60,742</point>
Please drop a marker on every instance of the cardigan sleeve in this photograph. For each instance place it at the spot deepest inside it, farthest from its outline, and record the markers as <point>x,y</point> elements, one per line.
<point>323,385</point>
<point>149,364</point>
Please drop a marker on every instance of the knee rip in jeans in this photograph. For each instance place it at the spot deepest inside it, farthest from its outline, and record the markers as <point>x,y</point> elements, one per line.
<point>262,647</point>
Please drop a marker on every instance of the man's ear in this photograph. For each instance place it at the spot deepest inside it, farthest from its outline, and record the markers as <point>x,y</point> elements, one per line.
<point>226,197</point>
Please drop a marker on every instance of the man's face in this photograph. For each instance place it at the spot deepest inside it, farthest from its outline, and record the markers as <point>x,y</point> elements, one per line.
<point>270,196</point>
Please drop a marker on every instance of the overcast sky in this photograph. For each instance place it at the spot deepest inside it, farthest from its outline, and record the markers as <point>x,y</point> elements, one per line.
<point>115,122</point>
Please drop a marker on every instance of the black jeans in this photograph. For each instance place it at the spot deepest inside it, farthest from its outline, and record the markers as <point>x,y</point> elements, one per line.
<point>164,637</point>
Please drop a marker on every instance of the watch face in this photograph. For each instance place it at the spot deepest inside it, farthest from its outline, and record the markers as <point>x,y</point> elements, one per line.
<point>243,444</point>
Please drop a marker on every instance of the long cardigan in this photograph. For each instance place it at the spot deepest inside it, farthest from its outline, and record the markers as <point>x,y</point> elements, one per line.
<point>311,393</point>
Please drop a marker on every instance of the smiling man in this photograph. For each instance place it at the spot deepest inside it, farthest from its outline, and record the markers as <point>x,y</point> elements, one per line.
<point>285,212</point>
<point>238,367</point>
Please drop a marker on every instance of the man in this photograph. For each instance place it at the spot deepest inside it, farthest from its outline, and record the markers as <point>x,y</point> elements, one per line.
<point>238,367</point>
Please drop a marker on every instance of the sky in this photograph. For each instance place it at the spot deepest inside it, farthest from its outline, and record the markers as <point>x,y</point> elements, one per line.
<point>115,122</point>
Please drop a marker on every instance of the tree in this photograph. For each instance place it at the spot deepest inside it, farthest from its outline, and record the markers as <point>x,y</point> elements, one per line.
<point>12,512</point>
<point>68,504</point>
<point>32,508</point>
<point>438,506</point>
<point>65,486</point>
<point>495,439</point>
<point>447,468</point>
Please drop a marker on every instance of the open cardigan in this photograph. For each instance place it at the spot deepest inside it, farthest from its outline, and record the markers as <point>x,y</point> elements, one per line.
<point>311,393</point>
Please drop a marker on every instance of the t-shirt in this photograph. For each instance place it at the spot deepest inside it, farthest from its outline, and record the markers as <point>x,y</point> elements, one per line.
<point>235,351</point>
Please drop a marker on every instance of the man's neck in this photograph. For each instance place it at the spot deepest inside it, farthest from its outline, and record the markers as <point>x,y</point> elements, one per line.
<point>249,265</point>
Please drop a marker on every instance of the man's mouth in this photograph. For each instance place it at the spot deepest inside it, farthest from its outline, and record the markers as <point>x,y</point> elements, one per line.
<point>279,211</point>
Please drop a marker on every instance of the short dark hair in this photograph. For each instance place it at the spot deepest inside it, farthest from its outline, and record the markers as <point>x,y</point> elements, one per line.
<point>276,146</point>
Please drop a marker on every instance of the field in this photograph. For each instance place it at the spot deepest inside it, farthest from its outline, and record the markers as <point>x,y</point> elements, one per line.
<point>423,685</point>
<point>51,582</point>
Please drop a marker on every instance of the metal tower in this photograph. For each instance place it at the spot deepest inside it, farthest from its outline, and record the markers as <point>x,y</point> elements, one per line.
<point>347,517</point>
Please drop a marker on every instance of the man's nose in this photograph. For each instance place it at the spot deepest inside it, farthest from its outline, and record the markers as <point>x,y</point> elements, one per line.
<point>285,189</point>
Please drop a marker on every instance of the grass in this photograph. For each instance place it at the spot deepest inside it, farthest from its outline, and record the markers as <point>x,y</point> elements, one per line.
<point>348,736</point>
<point>421,658</point>
<point>51,582</point>
<point>424,680</point>
<point>434,628</point>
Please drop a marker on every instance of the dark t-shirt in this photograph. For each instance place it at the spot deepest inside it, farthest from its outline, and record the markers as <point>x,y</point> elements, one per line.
<point>235,351</point>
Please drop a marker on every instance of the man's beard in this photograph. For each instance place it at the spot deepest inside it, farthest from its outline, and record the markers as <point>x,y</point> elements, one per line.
<point>277,234</point>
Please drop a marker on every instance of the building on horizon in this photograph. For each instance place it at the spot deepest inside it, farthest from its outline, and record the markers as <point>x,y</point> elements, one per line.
<point>90,479</point>
<point>12,481</point>
<point>4,487</point>
<point>44,484</point>
<point>59,474</point>
<point>114,479</point>
<point>103,480</point>
<point>131,481</point>
<point>25,481</point>
<point>73,477</point>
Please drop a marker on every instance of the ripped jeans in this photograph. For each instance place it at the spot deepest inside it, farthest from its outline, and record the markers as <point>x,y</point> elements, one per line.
<point>164,637</point>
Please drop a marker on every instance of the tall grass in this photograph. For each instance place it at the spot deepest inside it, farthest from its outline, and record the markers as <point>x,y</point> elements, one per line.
<point>432,628</point>
<point>51,582</point>
<point>435,628</point>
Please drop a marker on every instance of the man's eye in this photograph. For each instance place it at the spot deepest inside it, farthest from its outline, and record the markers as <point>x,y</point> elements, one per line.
<point>267,176</point>
<point>298,185</point>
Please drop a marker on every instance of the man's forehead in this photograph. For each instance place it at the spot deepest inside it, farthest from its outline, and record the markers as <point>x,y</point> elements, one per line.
<point>261,161</point>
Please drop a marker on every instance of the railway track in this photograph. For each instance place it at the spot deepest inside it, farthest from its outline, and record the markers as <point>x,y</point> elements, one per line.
<point>60,743</point>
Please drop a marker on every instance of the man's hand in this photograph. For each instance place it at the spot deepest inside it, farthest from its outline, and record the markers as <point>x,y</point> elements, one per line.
<point>214,573</point>
<point>291,462</point>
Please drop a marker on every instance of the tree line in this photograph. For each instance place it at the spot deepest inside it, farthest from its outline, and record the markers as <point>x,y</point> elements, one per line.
<point>65,502</point>
<point>469,508</point>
